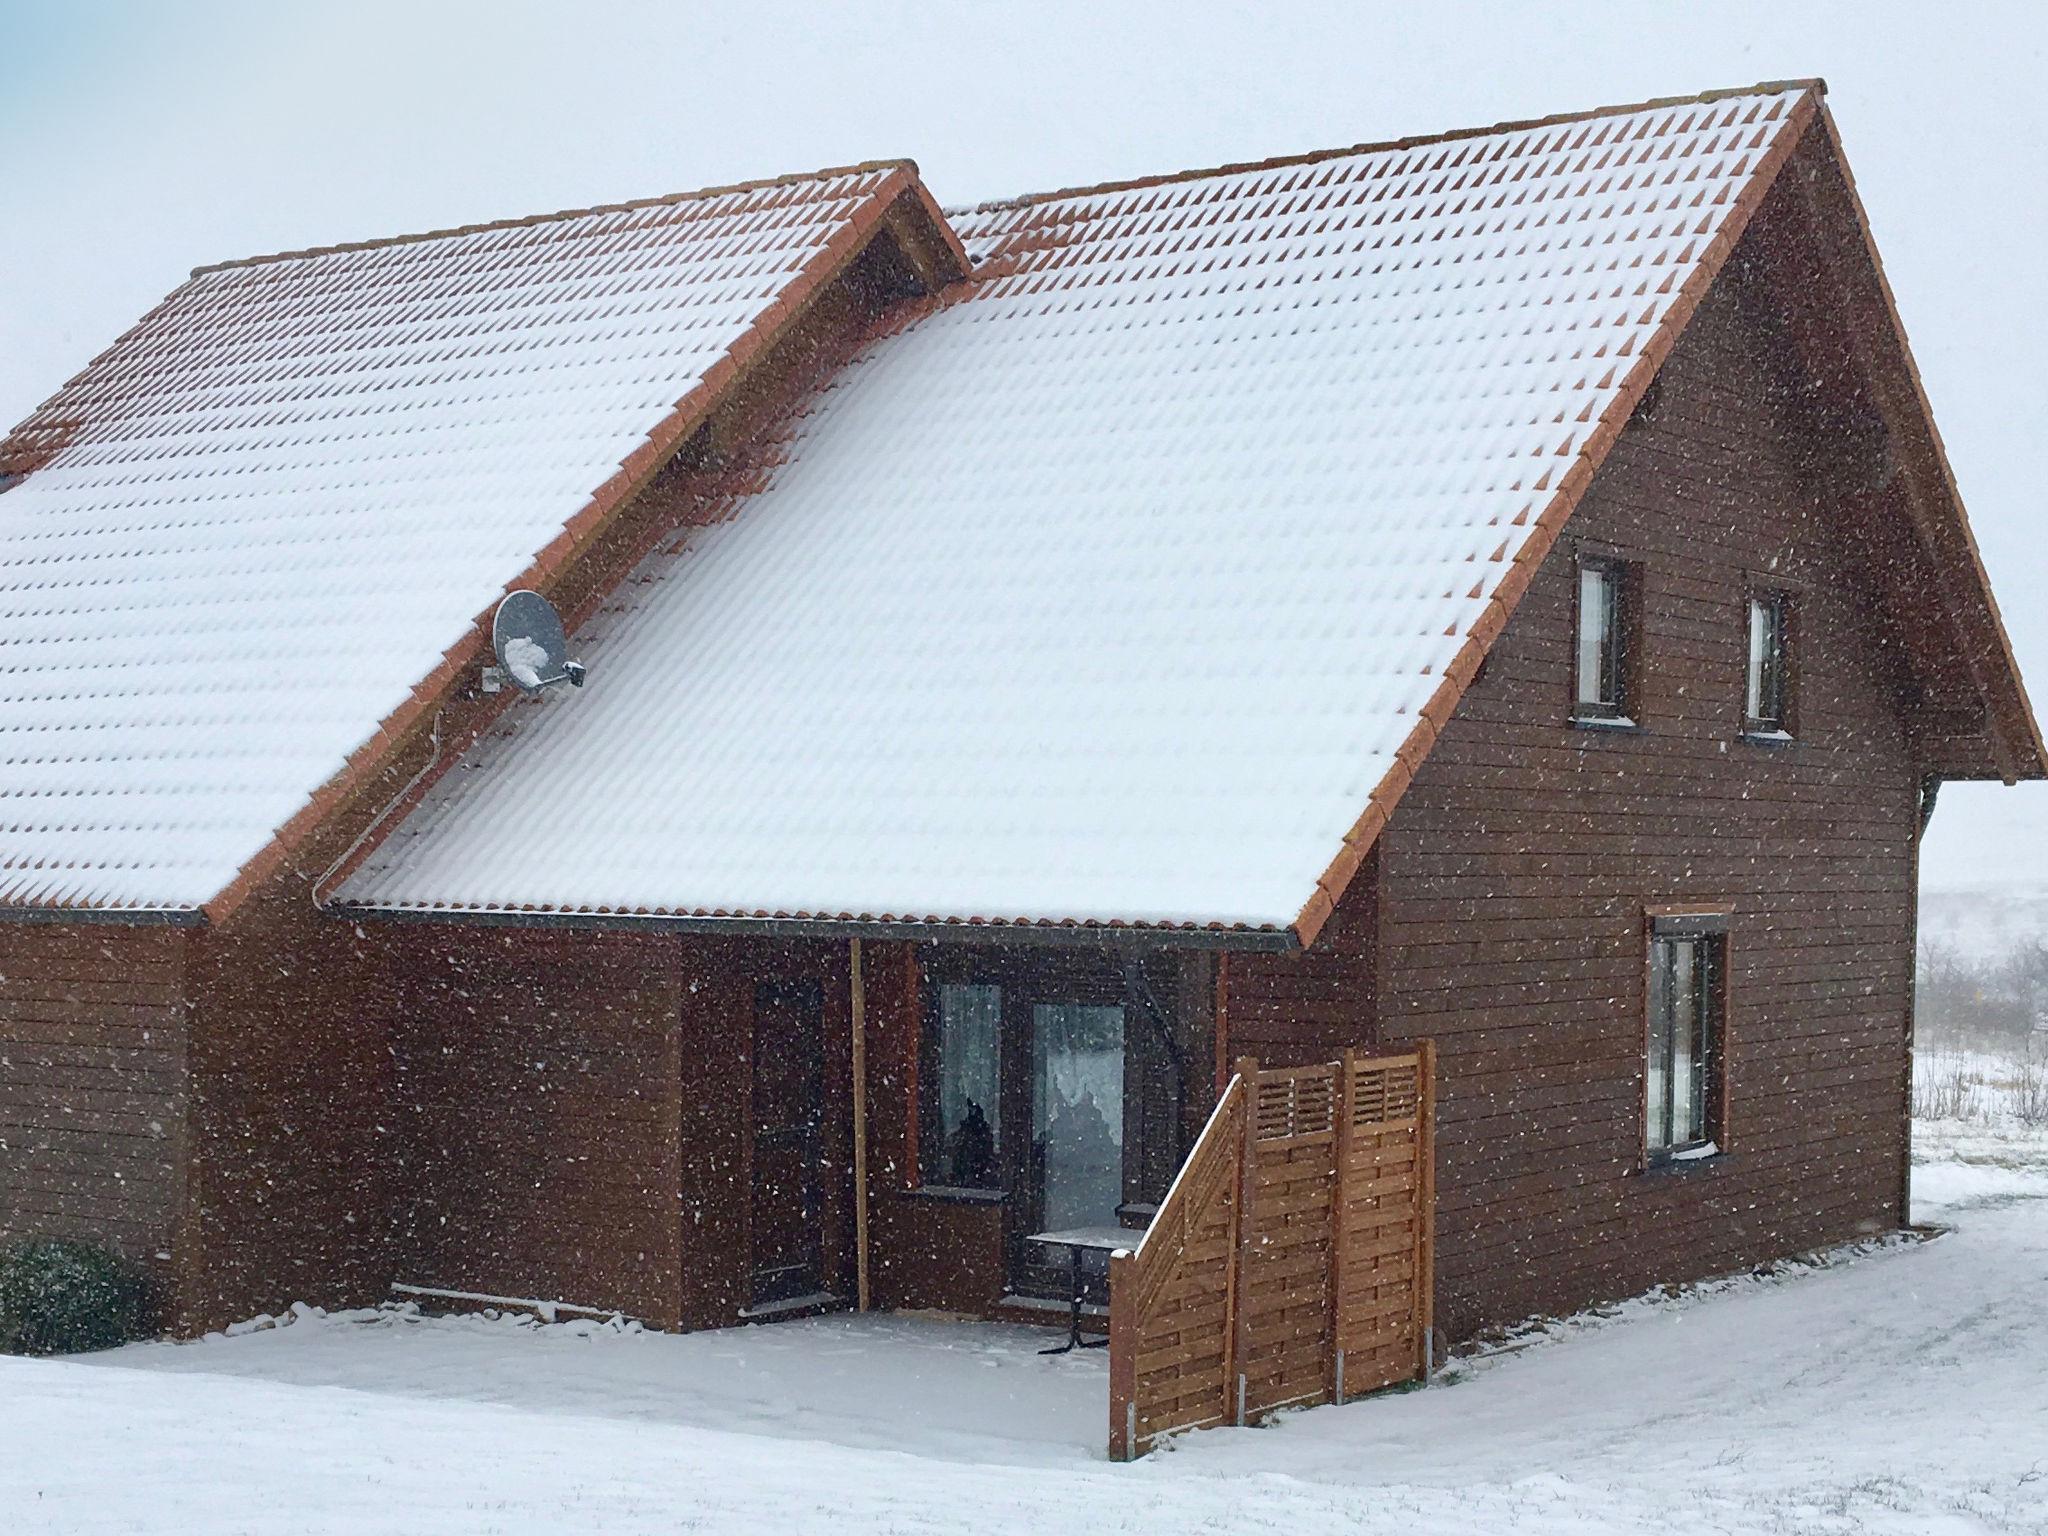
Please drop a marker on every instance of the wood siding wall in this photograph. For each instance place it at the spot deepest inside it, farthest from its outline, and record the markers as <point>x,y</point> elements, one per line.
<point>290,1177</point>
<point>537,1115</point>
<point>1294,1009</point>
<point>574,1114</point>
<point>1515,874</point>
<point>92,1085</point>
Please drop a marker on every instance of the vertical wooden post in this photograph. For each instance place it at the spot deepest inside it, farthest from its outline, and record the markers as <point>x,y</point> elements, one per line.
<point>913,1111</point>
<point>1123,1360</point>
<point>858,986</point>
<point>1227,1387</point>
<point>1238,1317</point>
<point>1425,1202</point>
<point>1222,1022</point>
<point>1343,1109</point>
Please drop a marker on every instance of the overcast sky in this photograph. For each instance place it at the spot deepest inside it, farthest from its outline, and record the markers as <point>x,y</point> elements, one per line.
<point>137,141</point>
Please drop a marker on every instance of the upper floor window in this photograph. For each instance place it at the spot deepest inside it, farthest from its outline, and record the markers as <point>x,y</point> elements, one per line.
<point>1682,1081</point>
<point>1767,701</point>
<point>1602,678</point>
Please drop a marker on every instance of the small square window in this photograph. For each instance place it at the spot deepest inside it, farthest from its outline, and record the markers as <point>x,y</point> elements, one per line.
<point>1767,697</point>
<point>1681,1081</point>
<point>1602,683</point>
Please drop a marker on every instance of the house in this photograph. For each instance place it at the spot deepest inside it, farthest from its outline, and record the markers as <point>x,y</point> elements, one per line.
<point>1502,589</point>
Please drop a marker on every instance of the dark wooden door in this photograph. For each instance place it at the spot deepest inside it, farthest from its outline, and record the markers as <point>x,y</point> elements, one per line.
<point>789,1093</point>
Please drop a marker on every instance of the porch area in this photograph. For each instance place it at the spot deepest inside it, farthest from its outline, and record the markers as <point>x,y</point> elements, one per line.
<point>953,1390</point>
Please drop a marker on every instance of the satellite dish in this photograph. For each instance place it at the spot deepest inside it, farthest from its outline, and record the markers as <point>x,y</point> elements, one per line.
<point>532,649</point>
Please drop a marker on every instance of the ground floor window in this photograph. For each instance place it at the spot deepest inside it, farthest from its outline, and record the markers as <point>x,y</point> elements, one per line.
<point>967,1067</point>
<point>1682,1098</point>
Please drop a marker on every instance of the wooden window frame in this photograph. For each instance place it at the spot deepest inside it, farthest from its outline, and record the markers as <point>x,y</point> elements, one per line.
<point>1785,597</point>
<point>1625,626</point>
<point>1690,922</point>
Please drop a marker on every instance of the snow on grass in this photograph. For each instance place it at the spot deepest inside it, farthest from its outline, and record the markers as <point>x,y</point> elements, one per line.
<point>2006,1092</point>
<point>1896,1386</point>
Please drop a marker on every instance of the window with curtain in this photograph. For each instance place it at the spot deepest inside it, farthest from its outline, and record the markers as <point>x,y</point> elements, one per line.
<point>1077,1107</point>
<point>1684,1042</point>
<point>968,1070</point>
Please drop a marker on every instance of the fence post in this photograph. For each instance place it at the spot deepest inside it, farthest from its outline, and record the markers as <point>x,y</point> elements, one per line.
<point>1226,1384</point>
<point>1425,1202</point>
<point>1123,1361</point>
<point>1340,1160</point>
<point>1239,1315</point>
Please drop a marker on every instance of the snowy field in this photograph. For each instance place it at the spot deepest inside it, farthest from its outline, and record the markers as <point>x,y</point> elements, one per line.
<point>1901,1386</point>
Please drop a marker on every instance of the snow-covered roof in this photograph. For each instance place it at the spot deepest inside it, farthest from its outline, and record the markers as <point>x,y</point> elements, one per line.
<point>253,526</point>
<point>1110,591</point>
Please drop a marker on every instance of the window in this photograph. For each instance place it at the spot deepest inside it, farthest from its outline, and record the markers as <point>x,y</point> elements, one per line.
<point>1601,684</point>
<point>969,1076</point>
<point>1682,1082</point>
<point>1077,1113</point>
<point>1767,701</point>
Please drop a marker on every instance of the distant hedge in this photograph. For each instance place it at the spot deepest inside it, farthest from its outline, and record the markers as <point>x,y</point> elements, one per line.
<point>62,1298</point>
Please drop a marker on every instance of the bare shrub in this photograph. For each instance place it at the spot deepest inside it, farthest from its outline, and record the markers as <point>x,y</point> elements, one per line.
<point>1986,1005</point>
<point>1944,1088</point>
<point>2027,1091</point>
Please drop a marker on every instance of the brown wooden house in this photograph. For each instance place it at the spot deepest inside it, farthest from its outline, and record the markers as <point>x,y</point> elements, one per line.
<point>1501,589</point>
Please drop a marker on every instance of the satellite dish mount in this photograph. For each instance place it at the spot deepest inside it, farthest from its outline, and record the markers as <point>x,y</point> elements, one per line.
<point>531,646</point>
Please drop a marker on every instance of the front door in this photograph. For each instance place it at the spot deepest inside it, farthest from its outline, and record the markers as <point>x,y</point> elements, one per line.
<point>789,1092</point>
<point>1077,1114</point>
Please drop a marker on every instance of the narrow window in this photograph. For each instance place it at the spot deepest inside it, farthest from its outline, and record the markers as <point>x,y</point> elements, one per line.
<point>1766,705</point>
<point>1077,1112</point>
<point>1601,688</point>
<point>1685,1038</point>
<point>967,1043</point>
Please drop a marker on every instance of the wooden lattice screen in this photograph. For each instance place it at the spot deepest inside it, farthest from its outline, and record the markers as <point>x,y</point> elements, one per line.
<point>1291,1261</point>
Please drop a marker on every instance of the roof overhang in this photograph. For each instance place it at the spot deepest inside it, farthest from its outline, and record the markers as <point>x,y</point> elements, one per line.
<point>1070,935</point>
<point>108,917</point>
<point>1971,717</point>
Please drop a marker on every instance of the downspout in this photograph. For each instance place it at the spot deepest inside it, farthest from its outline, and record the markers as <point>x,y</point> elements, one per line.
<point>858,986</point>
<point>1930,791</point>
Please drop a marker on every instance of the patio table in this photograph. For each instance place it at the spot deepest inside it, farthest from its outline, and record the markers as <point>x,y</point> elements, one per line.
<point>1077,1241</point>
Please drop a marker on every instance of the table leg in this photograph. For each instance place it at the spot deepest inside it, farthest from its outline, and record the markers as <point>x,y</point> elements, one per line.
<point>1073,1305</point>
<point>1079,1342</point>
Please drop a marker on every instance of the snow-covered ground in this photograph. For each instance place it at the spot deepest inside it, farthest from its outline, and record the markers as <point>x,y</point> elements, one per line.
<point>1899,1387</point>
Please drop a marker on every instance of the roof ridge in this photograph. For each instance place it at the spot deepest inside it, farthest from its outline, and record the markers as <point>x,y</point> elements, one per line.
<point>1415,141</point>
<point>562,215</point>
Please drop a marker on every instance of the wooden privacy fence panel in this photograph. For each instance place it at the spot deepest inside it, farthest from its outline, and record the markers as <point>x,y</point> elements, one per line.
<point>1291,1261</point>
<point>1170,1302</point>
